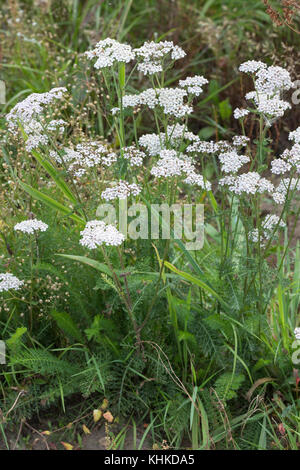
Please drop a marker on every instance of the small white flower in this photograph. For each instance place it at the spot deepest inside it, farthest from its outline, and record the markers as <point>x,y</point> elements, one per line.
<point>115,111</point>
<point>280,166</point>
<point>193,84</point>
<point>231,162</point>
<point>239,113</point>
<point>109,51</point>
<point>134,155</point>
<point>121,190</point>
<point>153,143</point>
<point>285,186</point>
<point>33,105</point>
<point>252,66</point>
<point>240,141</point>
<point>295,136</point>
<point>248,183</point>
<point>97,233</point>
<point>31,226</point>
<point>297,333</point>
<point>151,55</point>
<point>8,281</point>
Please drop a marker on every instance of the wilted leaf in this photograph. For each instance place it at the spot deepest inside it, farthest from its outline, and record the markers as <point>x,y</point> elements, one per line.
<point>67,446</point>
<point>108,416</point>
<point>97,415</point>
<point>104,405</point>
<point>86,429</point>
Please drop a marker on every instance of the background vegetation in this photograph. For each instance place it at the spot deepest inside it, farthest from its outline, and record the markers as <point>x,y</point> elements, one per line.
<point>203,381</point>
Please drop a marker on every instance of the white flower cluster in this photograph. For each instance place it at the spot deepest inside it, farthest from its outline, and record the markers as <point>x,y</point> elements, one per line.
<point>295,136</point>
<point>32,106</point>
<point>248,183</point>
<point>121,190</point>
<point>134,155</point>
<point>177,133</point>
<point>269,223</point>
<point>170,164</point>
<point>35,140</point>
<point>231,162</point>
<point>290,159</point>
<point>297,333</point>
<point>26,113</point>
<point>151,55</point>
<point>285,186</point>
<point>36,132</point>
<point>273,79</point>
<point>269,83</point>
<point>97,233</point>
<point>57,125</point>
<point>272,107</point>
<point>252,66</point>
<point>109,51</point>
<point>8,281</point>
<point>31,226</point>
<point>85,155</point>
<point>193,84</point>
<point>240,141</point>
<point>171,100</point>
<point>240,113</point>
<point>153,143</point>
<point>209,147</point>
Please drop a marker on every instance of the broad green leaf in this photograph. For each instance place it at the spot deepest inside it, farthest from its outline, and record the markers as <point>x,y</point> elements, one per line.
<point>90,262</point>
<point>197,282</point>
<point>50,202</point>
<point>55,176</point>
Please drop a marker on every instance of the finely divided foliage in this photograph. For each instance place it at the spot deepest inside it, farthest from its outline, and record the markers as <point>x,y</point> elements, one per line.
<point>175,320</point>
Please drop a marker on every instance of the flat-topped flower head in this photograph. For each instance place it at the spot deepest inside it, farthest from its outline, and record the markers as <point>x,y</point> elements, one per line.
<point>8,281</point>
<point>121,190</point>
<point>297,333</point>
<point>247,183</point>
<point>85,155</point>
<point>171,100</point>
<point>108,52</point>
<point>273,79</point>
<point>231,162</point>
<point>285,187</point>
<point>134,155</point>
<point>240,113</point>
<point>209,147</point>
<point>32,106</point>
<point>193,85</point>
<point>240,141</point>
<point>252,66</point>
<point>97,233</point>
<point>31,226</point>
<point>152,54</point>
<point>289,160</point>
<point>295,136</point>
<point>153,143</point>
<point>170,164</point>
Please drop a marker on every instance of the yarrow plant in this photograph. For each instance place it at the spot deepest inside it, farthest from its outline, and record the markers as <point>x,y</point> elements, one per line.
<point>9,281</point>
<point>145,158</point>
<point>31,226</point>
